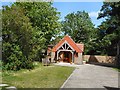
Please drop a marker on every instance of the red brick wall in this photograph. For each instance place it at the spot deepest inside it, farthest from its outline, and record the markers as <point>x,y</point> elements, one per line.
<point>99,59</point>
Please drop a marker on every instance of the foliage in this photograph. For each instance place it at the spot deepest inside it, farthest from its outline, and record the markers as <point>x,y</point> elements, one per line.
<point>56,39</point>
<point>111,27</point>
<point>44,19</point>
<point>16,35</point>
<point>108,33</point>
<point>27,29</point>
<point>79,26</point>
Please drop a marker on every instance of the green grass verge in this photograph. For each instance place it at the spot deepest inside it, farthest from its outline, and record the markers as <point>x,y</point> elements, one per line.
<point>40,77</point>
<point>117,69</point>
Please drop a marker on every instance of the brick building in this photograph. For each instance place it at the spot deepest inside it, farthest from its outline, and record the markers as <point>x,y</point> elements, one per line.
<point>66,51</point>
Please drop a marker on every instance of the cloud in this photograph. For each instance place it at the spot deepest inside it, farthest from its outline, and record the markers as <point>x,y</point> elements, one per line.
<point>94,14</point>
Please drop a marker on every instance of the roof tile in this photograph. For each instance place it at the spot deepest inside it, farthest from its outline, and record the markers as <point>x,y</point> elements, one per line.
<point>77,48</point>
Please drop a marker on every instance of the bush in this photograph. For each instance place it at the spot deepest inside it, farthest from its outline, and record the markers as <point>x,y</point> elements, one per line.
<point>16,59</point>
<point>27,64</point>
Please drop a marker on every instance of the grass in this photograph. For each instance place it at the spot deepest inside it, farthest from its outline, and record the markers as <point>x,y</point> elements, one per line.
<point>41,77</point>
<point>118,69</point>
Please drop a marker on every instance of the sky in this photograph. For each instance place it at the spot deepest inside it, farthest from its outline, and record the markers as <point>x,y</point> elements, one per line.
<point>92,8</point>
<point>65,8</point>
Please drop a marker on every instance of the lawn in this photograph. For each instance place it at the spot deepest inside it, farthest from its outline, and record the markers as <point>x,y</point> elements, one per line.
<point>117,69</point>
<point>41,77</point>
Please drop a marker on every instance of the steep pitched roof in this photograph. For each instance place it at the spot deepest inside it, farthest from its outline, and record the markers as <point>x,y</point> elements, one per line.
<point>70,42</point>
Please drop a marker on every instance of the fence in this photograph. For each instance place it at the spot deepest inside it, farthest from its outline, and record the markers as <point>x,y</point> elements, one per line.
<point>97,59</point>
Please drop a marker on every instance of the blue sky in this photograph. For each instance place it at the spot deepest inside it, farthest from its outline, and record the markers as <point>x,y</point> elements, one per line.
<point>91,7</point>
<point>68,7</point>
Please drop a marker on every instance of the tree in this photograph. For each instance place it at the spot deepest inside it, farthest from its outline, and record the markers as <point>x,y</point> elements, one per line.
<point>16,35</point>
<point>44,19</point>
<point>111,10</point>
<point>79,27</point>
<point>27,29</point>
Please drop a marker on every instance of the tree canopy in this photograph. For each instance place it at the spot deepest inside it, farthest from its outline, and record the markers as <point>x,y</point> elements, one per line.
<point>27,29</point>
<point>110,27</point>
<point>79,26</point>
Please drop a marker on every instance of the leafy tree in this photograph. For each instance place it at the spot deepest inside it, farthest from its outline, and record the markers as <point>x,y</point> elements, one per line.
<point>79,26</point>
<point>44,19</point>
<point>110,10</point>
<point>16,35</point>
<point>93,46</point>
<point>27,29</point>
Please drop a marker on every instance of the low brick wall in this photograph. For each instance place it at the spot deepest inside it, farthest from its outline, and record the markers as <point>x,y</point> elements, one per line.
<point>109,60</point>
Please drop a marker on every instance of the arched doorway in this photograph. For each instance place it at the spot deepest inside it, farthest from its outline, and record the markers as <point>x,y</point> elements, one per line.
<point>65,56</point>
<point>67,53</point>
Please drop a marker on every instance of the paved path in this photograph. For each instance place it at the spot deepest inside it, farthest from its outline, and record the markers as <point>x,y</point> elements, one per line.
<point>67,64</point>
<point>92,76</point>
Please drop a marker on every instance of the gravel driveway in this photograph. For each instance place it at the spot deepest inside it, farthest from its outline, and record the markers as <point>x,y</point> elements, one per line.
<point>92,76</point>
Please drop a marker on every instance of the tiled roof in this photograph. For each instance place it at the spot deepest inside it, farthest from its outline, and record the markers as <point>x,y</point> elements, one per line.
<point>71,43</point>
<point>81,46</point>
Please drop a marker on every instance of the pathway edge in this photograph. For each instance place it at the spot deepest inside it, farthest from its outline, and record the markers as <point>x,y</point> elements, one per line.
<point>67,79</point>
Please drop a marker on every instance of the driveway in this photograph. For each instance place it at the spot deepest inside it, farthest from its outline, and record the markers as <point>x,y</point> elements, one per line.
<point>92,76</point>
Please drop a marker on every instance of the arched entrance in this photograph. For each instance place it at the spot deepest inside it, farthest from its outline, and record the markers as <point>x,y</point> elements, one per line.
<point>65,53</point>
<point>65,56</point>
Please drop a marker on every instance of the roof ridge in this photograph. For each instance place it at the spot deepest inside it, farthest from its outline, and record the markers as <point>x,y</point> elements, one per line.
<point>75,43</point>
<point>70,41</point>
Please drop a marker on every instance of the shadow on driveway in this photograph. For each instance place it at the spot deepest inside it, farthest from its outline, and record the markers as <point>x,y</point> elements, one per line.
<point>111,88</point>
